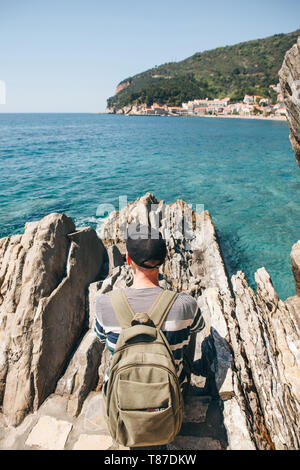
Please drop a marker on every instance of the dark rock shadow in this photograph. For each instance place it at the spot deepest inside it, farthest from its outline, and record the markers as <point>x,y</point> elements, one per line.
<point>207,367</point>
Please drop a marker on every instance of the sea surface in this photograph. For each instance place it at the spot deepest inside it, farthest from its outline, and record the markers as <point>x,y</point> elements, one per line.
<point>243,171</point>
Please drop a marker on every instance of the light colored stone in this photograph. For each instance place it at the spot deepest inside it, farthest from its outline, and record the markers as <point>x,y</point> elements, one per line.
<point>92,413</point>
<point>237,432</point>
<point>13,438</point>
<point>43,277</point>
<point>212,308</point>
<point>54,405</point>
<point>295,259</point>
<point>81,375</point>
<point>93,442</point>
<point>271,350</point>
<point>49,433</point>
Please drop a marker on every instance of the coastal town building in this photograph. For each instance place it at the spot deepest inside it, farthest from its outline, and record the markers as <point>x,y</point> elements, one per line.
<point>157,109</point>
<point>265,102</point>
<point>248,99</point>
<point>276,88</point>
<point>177,110</point>
<point>252,105</point>
<point>280,109</point>
<point>213,105</point>
<point>200,110</point>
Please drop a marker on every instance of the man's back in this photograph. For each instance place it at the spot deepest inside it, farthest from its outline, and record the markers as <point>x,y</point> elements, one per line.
<point>183,319</point>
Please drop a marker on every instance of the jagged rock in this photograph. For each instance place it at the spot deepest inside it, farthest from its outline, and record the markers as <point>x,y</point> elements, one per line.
<point>110,110</point>
<point>295,258</point>
<point>293,303</point>
<point>93,289</point>
<point>216,336</point>
<point>246,361</point>
<point>271,351</point>
<point>43,277</point>
<point>194,260</point>
<point>234,348</point>
<point>115,258</point>
<point>236,427</point>
<point>289,76</point>
<point>81,375</point>
<point>194,265</point>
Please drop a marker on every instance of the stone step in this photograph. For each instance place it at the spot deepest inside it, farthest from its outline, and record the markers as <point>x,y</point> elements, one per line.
<point>54,428</point>
<point>194,443</point>
<point>49,433</point>
<point>195,409</point>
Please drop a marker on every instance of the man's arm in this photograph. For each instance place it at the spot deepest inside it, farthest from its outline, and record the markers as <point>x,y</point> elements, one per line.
<point>98,328</point>
<point>198,322</point>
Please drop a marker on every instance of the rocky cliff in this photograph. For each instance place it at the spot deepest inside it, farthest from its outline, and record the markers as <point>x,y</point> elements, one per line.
<point>43,276</point>
<point>122,85</point>
<point>289,75</point>
<point>246,379</point>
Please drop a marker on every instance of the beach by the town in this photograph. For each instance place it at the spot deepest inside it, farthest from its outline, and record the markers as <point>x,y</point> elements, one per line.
<point>233,116</point>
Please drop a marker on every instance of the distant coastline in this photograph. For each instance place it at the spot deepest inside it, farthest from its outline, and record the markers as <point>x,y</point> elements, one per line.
<point>252,106</point>
<point>228,116</point>
<point>260,118</point>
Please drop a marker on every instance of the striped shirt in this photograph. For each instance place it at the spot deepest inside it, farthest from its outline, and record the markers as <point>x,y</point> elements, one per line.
<point>183,319</point>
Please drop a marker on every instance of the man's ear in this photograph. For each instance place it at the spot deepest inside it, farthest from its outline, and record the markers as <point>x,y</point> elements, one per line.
<point>128,259</point>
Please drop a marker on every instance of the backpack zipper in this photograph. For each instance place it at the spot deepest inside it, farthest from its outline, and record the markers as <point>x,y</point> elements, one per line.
<point>135,344</point>
<point>147,342</point>
<point>138,364</point>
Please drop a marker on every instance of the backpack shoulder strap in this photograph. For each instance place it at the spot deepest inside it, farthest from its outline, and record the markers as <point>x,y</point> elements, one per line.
<point>161,307</point>
<point>122,309</point>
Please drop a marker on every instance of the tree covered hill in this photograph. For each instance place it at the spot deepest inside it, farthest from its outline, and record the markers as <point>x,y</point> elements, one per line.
<point>245,68</point>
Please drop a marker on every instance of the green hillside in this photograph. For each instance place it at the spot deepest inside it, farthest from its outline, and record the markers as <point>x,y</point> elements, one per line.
<point>245,68</point>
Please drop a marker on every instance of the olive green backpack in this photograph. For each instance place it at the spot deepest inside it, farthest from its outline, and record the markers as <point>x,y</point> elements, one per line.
<point>143,404</point>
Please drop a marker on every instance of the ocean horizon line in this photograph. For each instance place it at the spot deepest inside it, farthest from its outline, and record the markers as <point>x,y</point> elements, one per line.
<point>250,118</point>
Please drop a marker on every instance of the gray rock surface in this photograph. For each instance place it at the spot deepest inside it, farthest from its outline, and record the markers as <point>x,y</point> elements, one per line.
<point>44,274</point>
<point>245,381</point>
<point>271,346</point>
<point>81,375</point>
<point>289,76</point>
<point>252,369</point>
<point>295,259</point>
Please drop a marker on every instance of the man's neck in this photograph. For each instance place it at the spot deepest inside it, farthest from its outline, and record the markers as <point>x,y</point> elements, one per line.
<point>141,281</point>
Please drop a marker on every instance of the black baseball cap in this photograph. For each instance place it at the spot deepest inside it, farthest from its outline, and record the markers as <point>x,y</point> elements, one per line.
<point>144,243</point>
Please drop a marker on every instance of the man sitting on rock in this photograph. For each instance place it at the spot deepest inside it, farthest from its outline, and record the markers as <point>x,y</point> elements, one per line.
<point>145,253</point>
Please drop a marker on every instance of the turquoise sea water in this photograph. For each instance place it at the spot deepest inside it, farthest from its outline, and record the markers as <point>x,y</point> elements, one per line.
<point>243,171</point>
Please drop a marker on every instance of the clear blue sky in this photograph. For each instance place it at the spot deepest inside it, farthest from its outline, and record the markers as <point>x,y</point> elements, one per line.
<point>69,55</point>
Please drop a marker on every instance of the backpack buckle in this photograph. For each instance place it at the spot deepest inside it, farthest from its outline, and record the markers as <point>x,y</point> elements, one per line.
<point>142,318</point>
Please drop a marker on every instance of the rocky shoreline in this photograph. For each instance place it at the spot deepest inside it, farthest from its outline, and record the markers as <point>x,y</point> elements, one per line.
<point>52,364</point>
<point>246,378</point>
<point>231,116</point>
